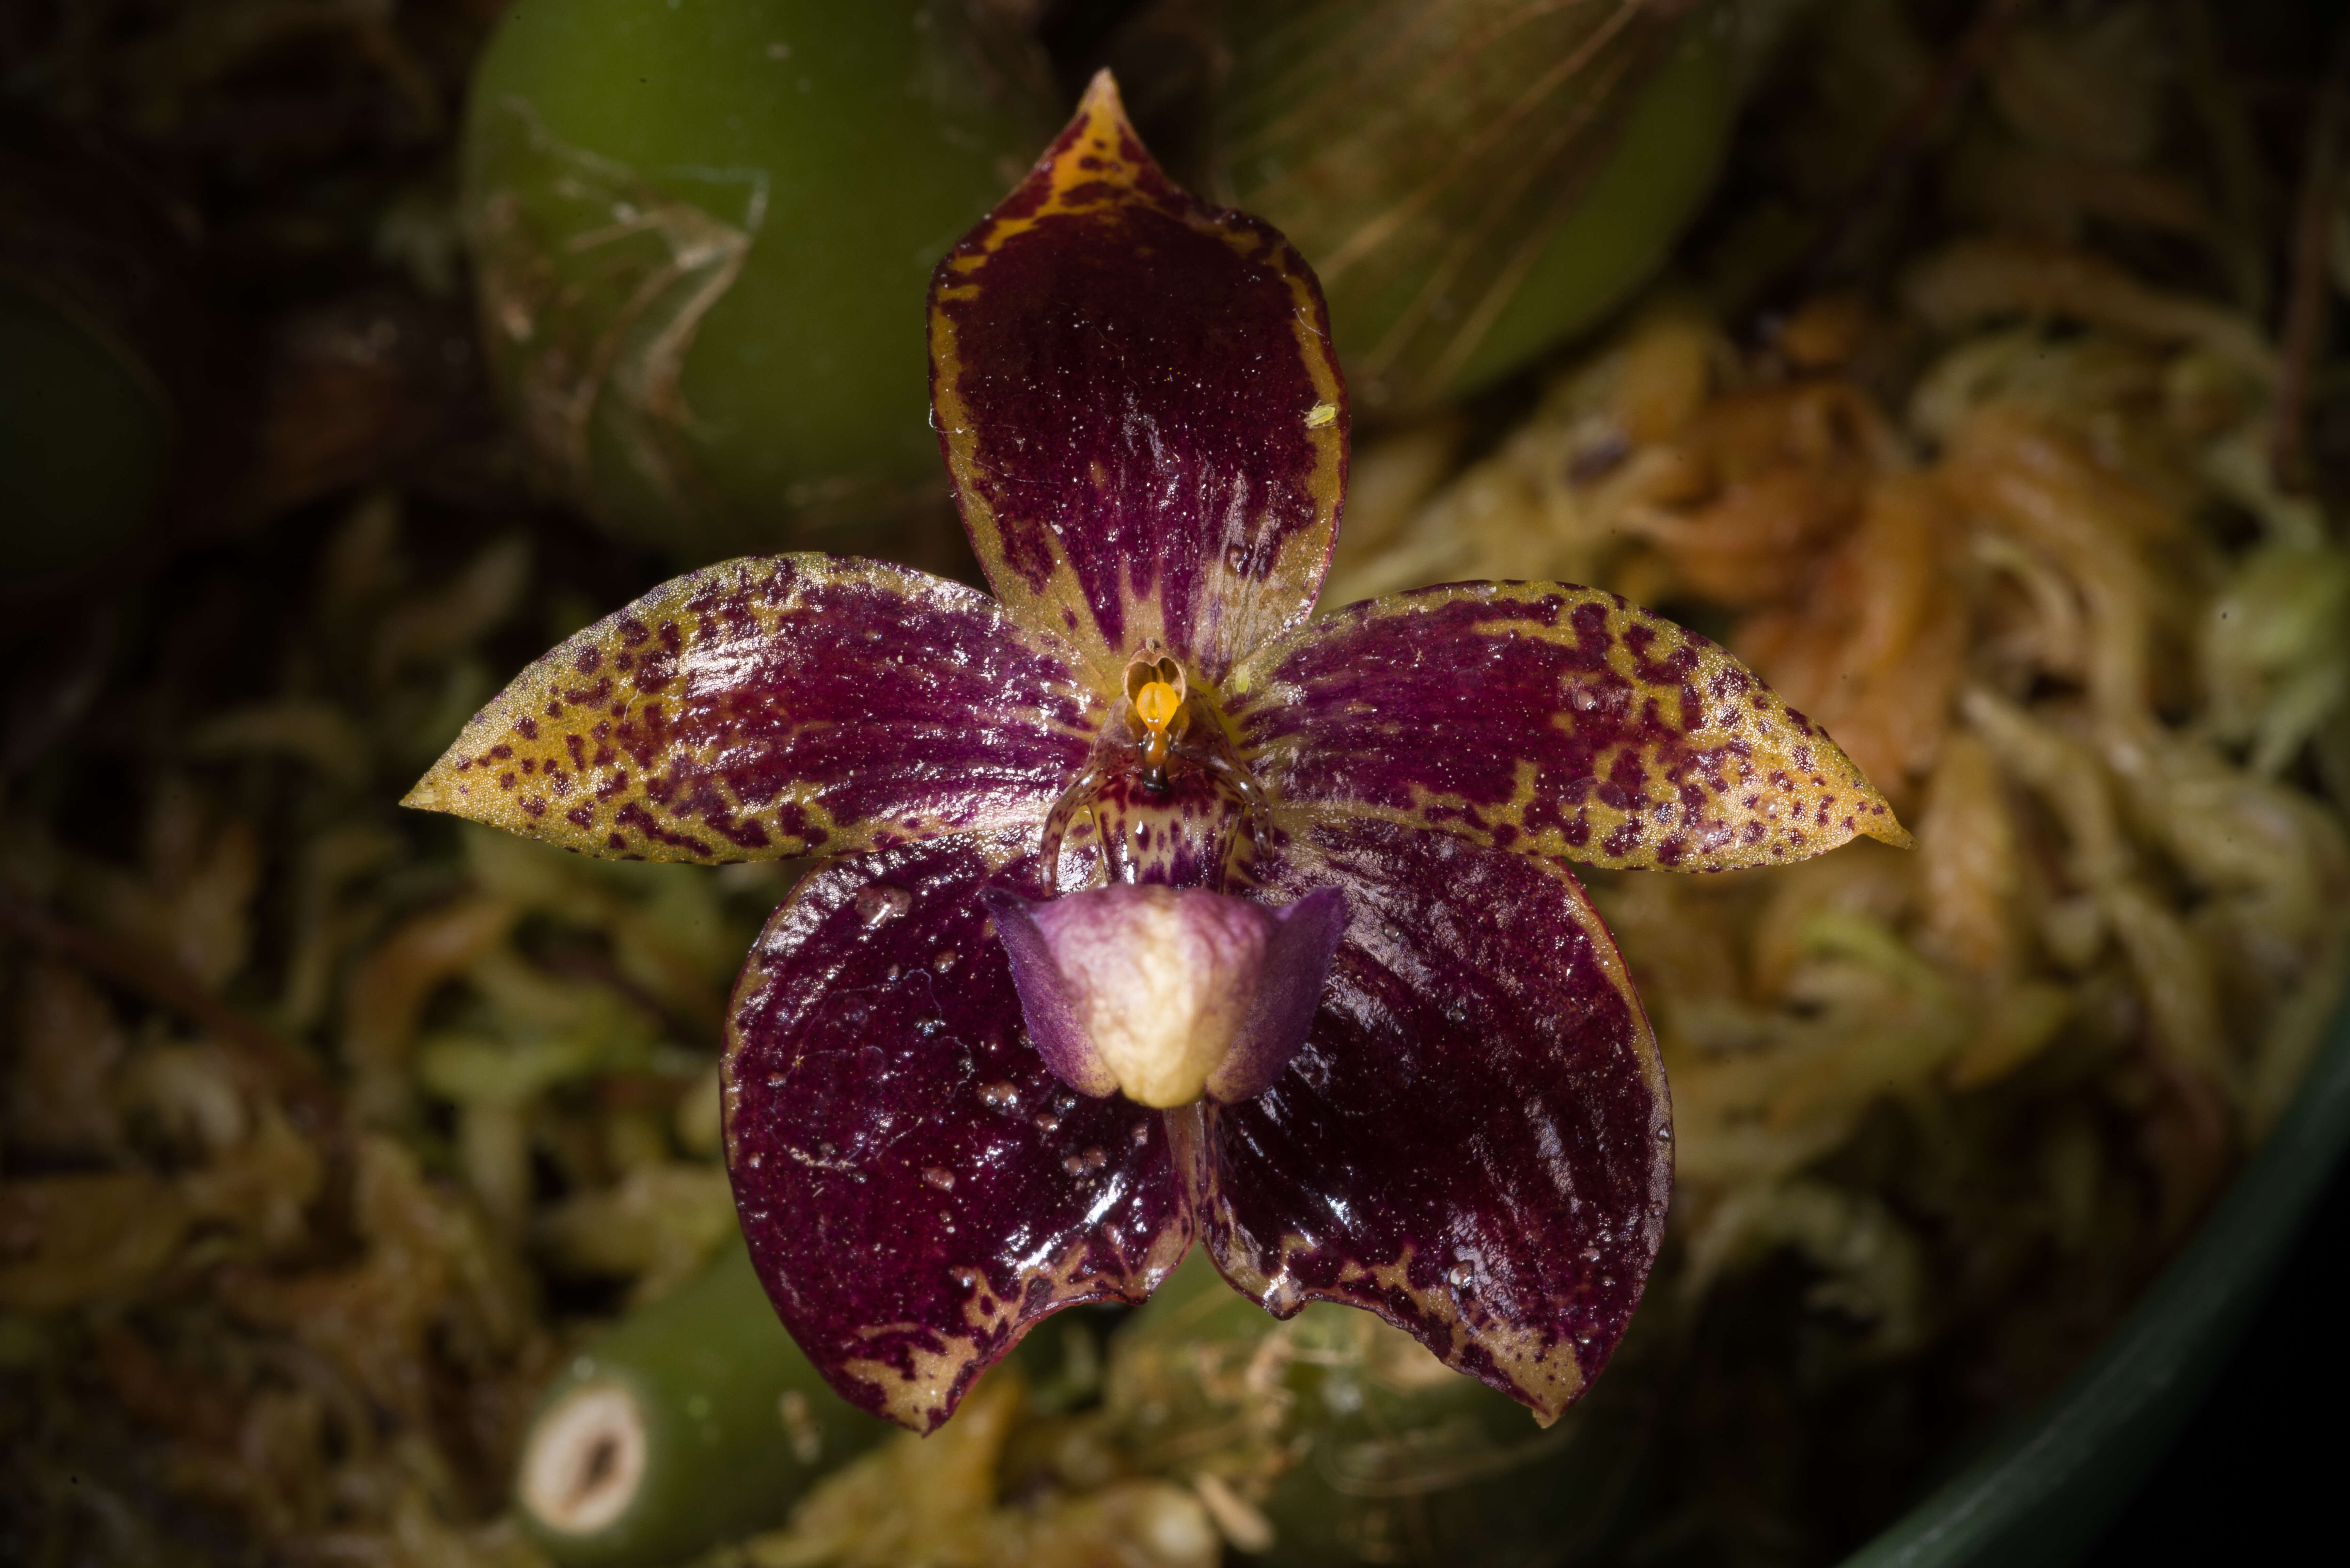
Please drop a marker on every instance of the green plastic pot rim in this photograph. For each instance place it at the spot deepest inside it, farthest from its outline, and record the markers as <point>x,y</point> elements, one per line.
<point>2044,1490</point>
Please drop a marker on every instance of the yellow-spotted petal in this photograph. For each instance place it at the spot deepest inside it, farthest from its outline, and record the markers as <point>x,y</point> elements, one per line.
<point>777,706</point>
<point>1552,720</point>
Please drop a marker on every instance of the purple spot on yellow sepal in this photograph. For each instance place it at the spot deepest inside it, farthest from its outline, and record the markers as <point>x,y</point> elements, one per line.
<point>791,701</point>
<point>1589,727</point>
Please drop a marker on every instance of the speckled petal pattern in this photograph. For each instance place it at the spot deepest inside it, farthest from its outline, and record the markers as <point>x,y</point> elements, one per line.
<point>1296,975</point>
<point>775,706</point>
<point>1551,720</point>
<point>1475,1141</point>
<point>917,1189</point>
<point>1139,407</point>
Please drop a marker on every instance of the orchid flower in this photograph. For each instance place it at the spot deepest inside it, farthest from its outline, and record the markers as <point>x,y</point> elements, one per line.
<point>1155,913</point>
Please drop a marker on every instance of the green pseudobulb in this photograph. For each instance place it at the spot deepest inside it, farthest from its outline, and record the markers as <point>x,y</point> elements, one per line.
<point>694,1421</point>
<point>1642,196</point>
<point>1475,180</point>
<point>703,229</point>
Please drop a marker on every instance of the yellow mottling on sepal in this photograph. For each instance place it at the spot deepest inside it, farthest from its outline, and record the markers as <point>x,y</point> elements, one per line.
<point>1722,774</point>
<point>625,741</point>
<point>1093,190</point>
<point>937,1369</point>
<point>1092,166</point>
<point>1887,829</point>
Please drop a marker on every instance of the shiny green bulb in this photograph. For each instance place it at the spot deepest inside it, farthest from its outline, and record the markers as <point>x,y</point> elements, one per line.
<point>696,224</point>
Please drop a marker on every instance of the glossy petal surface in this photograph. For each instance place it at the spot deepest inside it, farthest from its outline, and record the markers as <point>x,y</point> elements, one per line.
<point>1474,1142</point>
<point>775,706</point>
<point>1140,406</point>
<point>1050,1007</point>
<point>1551,719</point>
<point>1297,972</point>
<point>916,1187</point>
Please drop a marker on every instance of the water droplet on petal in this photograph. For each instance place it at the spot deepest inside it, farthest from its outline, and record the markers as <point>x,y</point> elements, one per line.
<point>878,904</point>
<point>999,1094</point>
<point>1461,1277</point>
<point>940,1177</point>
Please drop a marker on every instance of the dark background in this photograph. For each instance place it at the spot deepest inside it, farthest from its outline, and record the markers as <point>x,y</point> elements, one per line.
<point>2258,1474</point>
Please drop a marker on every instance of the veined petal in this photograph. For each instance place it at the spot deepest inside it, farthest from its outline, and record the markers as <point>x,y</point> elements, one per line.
<point>776,706</point>
<point>917,1188</point>
<point>1475,1141</point>
<point>1552,720</point>
<point>1140,406</point>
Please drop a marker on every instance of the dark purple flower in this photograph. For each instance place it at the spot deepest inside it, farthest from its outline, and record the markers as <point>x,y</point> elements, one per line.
<point>1155,913</point>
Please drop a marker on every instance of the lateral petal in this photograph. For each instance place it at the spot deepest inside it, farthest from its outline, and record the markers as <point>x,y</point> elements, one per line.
<point>772,707</point>
<point>1552,720</point>
<point>917,1188</point>
<point>1474,1142</point>
<point>1140,406</point>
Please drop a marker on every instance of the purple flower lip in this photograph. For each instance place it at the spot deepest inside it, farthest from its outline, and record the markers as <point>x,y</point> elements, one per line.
<point>1154,911</point>
<point>1165,994</point>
